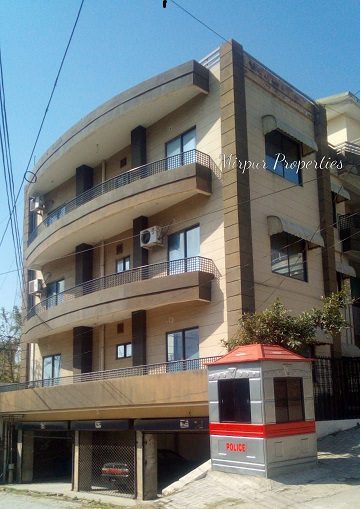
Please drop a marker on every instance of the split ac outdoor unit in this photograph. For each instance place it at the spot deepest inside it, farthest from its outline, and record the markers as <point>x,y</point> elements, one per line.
<point>151,237</point>
<point>36,204</point>
<point>35,286</point>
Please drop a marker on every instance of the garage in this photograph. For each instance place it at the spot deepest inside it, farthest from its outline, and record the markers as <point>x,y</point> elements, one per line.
<point>53,452</point>
<point>106,457</point>
<point>181,446</point>
<point>47,451</point>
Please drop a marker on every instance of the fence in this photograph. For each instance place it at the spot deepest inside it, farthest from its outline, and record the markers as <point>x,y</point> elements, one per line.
<point>147,170</point>
<point>156,270</point>
<point>147,369</point>
<point>336,388</point>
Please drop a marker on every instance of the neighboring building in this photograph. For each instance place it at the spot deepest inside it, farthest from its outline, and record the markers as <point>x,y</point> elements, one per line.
<point>343,128</point>
<point>106,297</point>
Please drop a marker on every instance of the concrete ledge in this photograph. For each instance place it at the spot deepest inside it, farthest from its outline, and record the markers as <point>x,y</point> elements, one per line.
<point>324,428</point>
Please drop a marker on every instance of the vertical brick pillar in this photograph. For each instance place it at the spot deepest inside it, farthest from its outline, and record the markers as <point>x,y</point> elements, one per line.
<point>236,193</point>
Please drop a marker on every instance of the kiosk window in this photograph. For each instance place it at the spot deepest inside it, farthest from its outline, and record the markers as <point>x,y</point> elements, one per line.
<point>234,400</point>
<point>288,399</point>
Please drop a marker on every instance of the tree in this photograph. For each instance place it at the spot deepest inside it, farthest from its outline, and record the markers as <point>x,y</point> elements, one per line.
<point>330,318</point>
<point>277,326</point>
<point>10,324</point>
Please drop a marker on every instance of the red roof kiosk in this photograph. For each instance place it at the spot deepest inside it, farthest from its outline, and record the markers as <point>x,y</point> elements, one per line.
<point>261,411</point>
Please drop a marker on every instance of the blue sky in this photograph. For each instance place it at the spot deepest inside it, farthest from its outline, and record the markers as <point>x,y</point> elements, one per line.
<point>312,44</point>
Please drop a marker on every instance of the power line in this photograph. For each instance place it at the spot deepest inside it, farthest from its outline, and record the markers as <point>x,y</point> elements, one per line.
<point>43,119</point>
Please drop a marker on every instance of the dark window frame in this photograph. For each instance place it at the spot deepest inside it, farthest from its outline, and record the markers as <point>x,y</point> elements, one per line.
<point>183,331</point>
<point>55,296</point>
<point>123,259</point>
<point>125,345</point>
<point>301,399</point>
<point>52,356</point>
<point>290,241</point>
<point>246,409</point>
<point>284,138</point>
<point>181,138</point>
<point>184,230</point>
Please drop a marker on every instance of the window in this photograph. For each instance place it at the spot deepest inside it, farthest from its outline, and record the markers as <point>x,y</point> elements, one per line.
<point>234,400</point>
<point>183,245</point>
<point>51,369</point>
<point>178,149</point>
<point>54,293</point>
<point>123,264</point>
<point>182,345</point>
<point>124,351</point>
<point>277,143</point>
<point>288,256</point>
<point>288,399</point>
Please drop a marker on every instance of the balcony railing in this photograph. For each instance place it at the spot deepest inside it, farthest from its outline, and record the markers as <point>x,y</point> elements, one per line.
<point>349,228</point>
<point>124,179</point>
<point>347,147</point>
<point>156,270</point>
<point>148,369</point>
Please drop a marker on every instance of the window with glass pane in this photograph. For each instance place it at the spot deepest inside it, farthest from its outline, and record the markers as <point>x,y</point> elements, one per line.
<point>54,293</point>
<point>51,368</point>
<point>182,245</point>
<point>182,346</point>
<point>278,143</point>
<point>180,150</point>
<point>123,264</point>
<point>124,350</point>
<point>288,256</point>
<point>289,403</point>
<point>234,400</point>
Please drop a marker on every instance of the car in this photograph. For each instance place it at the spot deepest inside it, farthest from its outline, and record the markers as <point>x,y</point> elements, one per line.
<point>116,474</point>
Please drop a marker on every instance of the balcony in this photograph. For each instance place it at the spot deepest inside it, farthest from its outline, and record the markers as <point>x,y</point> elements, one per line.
<point>349,229</point>
<point>104,210</point>
<point>115,296</point>
<point>173,389</point>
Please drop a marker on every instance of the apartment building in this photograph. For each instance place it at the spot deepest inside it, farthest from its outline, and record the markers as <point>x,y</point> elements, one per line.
<point>150,227</point>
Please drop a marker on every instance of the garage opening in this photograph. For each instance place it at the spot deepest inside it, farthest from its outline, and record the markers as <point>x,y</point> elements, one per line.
<point>178,454</point>
<point>53,456</point>
<point>107,462</point>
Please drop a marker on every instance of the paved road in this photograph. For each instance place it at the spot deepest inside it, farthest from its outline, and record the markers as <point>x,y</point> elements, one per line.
<point>333,483</point>
<point>19,501</point>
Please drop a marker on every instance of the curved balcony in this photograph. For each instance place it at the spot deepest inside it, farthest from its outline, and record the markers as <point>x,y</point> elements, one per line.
<point>115,296</point>
<point>105,209</point>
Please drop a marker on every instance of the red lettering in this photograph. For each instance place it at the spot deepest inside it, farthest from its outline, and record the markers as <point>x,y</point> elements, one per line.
<point>230,446</point>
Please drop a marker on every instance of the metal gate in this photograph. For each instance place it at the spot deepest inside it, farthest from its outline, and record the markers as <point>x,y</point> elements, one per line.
<point>107,462</point>
<point>336,385</point>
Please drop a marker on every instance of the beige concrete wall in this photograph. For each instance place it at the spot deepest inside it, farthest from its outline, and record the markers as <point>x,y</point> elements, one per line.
<point>60,195</point>
<point>298,204</point>
<point>58,344</point>
<point>63,268</point>
<point>113,163</point>
<point>337,130</point>
<point>112,339</point>
<point>201,112</point>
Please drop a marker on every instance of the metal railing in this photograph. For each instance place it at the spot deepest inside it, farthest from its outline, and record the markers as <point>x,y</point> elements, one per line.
<point>147,369</point>
<point>147,170</point>
<point>156,270</point>
<point>349,231</point>
<point>336,384</point>
<point>346,146</point>
<point>348,221</point>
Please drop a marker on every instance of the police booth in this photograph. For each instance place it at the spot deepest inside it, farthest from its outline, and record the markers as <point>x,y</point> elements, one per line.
<point>261,411</point>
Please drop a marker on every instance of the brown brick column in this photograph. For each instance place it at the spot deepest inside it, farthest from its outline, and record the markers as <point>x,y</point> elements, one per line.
<point>236,187</point>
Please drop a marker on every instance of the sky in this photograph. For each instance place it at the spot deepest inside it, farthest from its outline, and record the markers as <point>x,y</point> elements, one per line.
<point>118,43</point>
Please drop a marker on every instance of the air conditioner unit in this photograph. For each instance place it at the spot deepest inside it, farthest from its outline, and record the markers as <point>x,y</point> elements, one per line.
<point>35,286</point>
<point>36,204</point>
<point>151,237</point>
